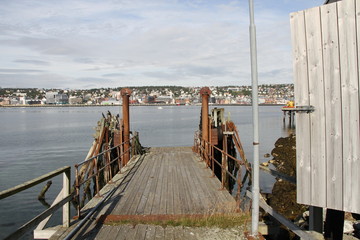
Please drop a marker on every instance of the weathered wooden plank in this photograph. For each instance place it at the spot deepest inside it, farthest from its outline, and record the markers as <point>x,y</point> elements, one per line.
<point>213,185</point>
<point>121,234</point>
<point>131,197</point>
<point>356,167</point>
<point>124,180</point>
<point>178,202</point>
<point>170,185</point>
<point>107,232</point>
<point>189,189</point>
<point>189,234</point>
<point>169,233</point>
<point>150,232</point>
<point>202,176</point>
<point>316,97</point>
<point>184,197</point>
<point>159,232</point>
<point>303,161</point>
<point>148,195</point>
<point>350,104</point>
<point>179,233</point>
<point>138,187</point>
<point>164,187</point>
<point>152,194</point>
<point>202,185</point>
<point>141,231</point>
<point>333,121</point>
<point>357,14</point>
<point>188,201</point>
<point>155,208</point>
<point>195,190</point>
<point>130,231</point>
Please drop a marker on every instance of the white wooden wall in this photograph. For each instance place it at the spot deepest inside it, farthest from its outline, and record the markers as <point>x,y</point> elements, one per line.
<point>326,51</point>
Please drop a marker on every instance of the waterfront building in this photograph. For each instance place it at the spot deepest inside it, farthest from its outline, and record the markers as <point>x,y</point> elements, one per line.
<point>50,97</point>
<point>61,99</point>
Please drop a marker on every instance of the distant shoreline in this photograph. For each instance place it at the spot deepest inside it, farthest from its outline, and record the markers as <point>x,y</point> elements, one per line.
<point>135,105</point>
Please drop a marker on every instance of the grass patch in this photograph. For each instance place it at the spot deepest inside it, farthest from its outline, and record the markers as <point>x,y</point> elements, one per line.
<point>229,220</point>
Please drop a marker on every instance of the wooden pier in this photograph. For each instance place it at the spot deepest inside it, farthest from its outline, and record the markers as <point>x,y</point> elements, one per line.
<point>290,112</point>
<point>162,183</point>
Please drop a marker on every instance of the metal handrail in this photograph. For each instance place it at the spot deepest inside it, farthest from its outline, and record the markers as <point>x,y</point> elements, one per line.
<point>218,163</point>
<point>202,145</point>
<point>102,153</point>
<point>106,167</point>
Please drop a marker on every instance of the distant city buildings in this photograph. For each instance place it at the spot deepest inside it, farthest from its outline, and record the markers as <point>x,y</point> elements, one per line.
<point>56,98</point>
<point>268,94</point>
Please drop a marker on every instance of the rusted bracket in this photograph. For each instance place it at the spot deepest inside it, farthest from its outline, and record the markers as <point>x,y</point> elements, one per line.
<point>304,109</point>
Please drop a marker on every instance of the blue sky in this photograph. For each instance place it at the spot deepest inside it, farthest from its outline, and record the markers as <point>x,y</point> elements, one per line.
<point>115,43</point>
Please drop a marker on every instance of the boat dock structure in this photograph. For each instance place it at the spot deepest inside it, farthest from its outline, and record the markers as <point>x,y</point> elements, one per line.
<point>123,190</point>
<point>163,184</point>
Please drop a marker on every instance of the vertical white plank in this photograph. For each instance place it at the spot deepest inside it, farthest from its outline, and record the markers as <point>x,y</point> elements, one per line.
<point>357,161</point>
<point>350,105</point>
<point>333,121</point>
<point>357,14</point>
<point>66,192</point>
<point>303,163</point>
<point>316,96</point>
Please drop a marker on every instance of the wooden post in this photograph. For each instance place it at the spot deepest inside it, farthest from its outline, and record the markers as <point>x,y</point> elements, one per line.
<point>44,190</point>
<point>66,192</point>
<point>284,116</point>
<point>125,93</point>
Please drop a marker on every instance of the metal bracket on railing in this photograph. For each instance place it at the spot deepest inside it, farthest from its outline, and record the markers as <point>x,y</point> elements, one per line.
<point>304,109</point>
<point>228,133</point>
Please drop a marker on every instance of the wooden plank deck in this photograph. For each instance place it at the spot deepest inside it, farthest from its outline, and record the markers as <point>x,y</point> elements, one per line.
<point>165,181</point>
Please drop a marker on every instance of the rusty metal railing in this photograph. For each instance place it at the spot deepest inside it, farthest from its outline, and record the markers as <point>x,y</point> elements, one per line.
<point>206,151</point>
<point>102,163</point>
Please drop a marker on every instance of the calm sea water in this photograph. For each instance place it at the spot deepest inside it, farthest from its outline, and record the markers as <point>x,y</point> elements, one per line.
<point>35,141</point>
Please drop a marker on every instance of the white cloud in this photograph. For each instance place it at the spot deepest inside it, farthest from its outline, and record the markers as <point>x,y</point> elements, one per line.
<point>91,43</point>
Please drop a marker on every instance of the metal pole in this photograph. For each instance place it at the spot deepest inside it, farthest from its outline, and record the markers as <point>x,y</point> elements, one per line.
<point>125,93</point>
<point>205,93</point>
<point>255,105</point>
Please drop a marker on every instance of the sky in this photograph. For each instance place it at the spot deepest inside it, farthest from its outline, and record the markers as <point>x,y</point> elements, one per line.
<point>75,44</point>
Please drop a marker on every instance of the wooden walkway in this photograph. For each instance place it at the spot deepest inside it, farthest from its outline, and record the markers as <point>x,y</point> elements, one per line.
<point>165,181</point>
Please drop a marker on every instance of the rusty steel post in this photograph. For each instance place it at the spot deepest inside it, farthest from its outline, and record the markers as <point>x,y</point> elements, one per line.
<point>205,93</point>
<point>125,93</point>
